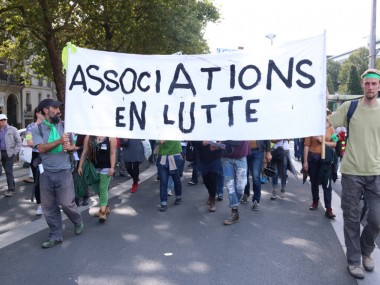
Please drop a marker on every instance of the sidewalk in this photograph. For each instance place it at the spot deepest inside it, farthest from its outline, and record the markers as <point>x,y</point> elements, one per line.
<point>283,243</point>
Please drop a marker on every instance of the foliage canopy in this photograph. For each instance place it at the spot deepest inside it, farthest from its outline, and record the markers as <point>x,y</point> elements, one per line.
<point>33,32</point>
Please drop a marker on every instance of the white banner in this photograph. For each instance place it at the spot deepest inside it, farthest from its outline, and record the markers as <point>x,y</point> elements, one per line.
<point>278,94</point>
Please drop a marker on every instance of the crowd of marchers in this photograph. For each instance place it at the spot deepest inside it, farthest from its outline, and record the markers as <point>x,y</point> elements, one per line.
<point>64,167</point>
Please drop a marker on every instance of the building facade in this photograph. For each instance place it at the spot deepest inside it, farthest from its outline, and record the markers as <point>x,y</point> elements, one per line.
<point>18,101</point>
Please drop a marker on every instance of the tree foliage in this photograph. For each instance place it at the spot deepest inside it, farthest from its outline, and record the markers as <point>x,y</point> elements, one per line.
<point>333,68</point>
<point>358,59</point>
<point>37,30</point>
<point>330,85</point>
<point>353,83</point>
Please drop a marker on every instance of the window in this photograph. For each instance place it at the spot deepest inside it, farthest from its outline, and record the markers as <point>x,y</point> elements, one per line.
<point>27,98</point>
<point>39,97</point>
<point>28,103</point>
<point>40,82</point>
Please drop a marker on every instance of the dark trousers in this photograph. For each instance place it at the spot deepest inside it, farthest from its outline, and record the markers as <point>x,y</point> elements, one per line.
<point>210,180</point>
<point>133,169</point>
<point>7,163</point>
<point>36,178</point>
<point>314,161</point>
<point>194,174</point>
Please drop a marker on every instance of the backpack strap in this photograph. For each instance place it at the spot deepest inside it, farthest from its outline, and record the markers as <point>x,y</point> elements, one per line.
<point>350,112</point>
<point>40,130</point>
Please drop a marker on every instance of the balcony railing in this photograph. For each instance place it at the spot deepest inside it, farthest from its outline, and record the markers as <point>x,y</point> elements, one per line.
<point>8,78</point>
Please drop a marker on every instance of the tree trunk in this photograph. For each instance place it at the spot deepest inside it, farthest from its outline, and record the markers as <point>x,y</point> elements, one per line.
<point>56,63</point>
<point>54,53</point>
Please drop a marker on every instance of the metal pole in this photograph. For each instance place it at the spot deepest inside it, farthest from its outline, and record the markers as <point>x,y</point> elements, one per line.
<point>372,45</point>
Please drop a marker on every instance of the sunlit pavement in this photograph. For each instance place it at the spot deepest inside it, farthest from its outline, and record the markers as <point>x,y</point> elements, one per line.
<point>282,243</point>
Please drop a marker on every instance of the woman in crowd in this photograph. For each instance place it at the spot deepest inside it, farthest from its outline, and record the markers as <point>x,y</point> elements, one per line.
<point>312,165</point>
<point>101,151</point>
<point>234,165</point>
<point>133,155</point>
<point>210,166</point>
<point>168,163</point>
<point>281,163</point>
<point>38,118</point>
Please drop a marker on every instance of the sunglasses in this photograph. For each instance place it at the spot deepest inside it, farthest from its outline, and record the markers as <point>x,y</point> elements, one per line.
<point>3,119</point>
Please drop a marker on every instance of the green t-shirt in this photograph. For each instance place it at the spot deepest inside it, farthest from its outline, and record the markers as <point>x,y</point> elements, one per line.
<point>170,147</point>
<point>362,153</point>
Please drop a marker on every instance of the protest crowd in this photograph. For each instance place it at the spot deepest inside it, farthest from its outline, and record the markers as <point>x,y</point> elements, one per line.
<point>68,168</point>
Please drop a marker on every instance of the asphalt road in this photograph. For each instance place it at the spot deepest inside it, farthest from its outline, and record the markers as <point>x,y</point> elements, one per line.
<point>283,243</point>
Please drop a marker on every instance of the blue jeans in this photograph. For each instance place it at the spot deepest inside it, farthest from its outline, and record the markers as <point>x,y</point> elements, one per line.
<point>255,164</point>
<point>297,148</point>
<point>281,170</point>
<point>235,178</point>
<point>164,173</point>
<point>171,183</point>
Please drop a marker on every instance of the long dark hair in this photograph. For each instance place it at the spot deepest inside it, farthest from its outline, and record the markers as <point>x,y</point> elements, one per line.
<point>36,110</point>
<point>91,148</point>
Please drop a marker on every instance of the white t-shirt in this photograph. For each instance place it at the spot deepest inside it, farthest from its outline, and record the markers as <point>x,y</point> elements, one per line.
<point>283,143</point>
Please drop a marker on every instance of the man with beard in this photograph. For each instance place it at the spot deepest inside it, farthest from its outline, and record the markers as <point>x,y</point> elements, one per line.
<point>56,181</point>
<point>360,170</point>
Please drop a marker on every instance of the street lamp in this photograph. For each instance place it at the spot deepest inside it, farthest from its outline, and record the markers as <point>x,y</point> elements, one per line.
<point>372,46</point>
<point>271,37</point>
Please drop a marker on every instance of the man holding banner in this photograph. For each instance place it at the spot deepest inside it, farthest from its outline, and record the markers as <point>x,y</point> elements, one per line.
<point>360,170</point>
<point>56,180</point>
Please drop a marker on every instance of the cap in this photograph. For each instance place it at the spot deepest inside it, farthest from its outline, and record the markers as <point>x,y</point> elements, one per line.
<point>374,73</point>
<point>49,103</point>
<point>3,116</point>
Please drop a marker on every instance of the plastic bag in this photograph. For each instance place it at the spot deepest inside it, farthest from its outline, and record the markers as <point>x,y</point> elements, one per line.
<point>147,148</point>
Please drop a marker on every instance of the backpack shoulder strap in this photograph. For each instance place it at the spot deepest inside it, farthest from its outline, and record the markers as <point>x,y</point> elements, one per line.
<point>40,130</point>
<point>350,112</point>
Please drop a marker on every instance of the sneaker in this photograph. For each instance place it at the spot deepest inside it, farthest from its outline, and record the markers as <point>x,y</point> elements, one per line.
<point>255,206</point>
<point>368,263</point>
<point>50,243</point>
<point>170,192</point>
<point>264,180</point>
<point>9,193</point>
<point>356,271</point>
<point>220,197</point>
<point>163,208</point>
<point>78,229</point>
<point>274,195</point>
<point>177,201</point>
<point>313,206</point>
<point>282,194</point>
<point>134,187</point>
<point>244,199</point>
<point>191,182</point>
<point>329,213</point>
<point>39,211</point>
